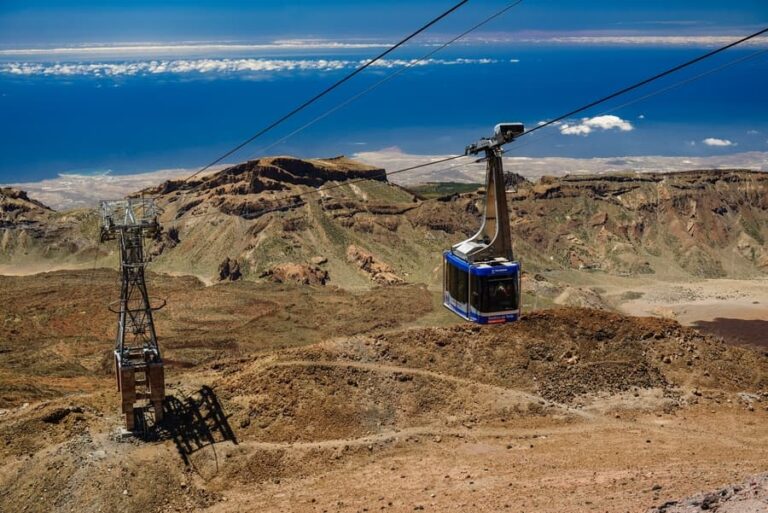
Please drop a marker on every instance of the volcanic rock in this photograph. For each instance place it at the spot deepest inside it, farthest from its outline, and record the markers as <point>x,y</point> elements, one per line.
<point>305,274</point>
<point>379,272</point>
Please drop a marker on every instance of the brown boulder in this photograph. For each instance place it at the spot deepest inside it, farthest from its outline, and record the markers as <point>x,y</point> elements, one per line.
<point>304,274</point>
<point>378,271</point>
<point>229,269</point>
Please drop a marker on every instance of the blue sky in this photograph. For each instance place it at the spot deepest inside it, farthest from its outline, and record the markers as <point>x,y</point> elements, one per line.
<point>47,22</point>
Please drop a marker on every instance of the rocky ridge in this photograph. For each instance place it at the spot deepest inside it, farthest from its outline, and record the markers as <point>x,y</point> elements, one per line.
<point>268,212</point>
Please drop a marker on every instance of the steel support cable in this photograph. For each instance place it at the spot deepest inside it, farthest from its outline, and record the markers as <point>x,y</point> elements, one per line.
<point>515,147</point>
<point>330,88</point>
<point>571,113</point>
<point>319,190</point>
<point>389,77</point>
<point>613,95</point>
<point>646,81</point>
<point>660,91</point>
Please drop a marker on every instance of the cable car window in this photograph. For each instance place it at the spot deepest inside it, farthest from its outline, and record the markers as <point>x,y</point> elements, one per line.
<point>477,291</point>
<point>457,283</point>
<point>496,294</point>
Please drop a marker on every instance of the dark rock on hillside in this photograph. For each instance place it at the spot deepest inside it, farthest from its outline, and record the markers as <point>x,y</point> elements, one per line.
<point>229,269</point>
<point>15,203</point>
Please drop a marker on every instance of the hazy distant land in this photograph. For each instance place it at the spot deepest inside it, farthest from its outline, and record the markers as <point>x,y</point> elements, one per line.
<point>74,190</point>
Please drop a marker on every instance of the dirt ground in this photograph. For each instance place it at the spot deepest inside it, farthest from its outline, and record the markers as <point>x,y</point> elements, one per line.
<point>56,331</point>
<point>290,398</point>
<point>736,310</point>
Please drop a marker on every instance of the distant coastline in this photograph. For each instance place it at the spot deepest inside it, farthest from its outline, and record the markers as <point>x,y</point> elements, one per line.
<point>84,190</point>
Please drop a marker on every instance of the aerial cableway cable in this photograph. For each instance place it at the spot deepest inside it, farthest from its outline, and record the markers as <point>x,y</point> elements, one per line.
<point>328,89</point>
<point>663,90</point>
<point>389,77</point>
<point>646,81</point>
<point>559,118</point>
<point>386,79</point>
<point>345,183</point>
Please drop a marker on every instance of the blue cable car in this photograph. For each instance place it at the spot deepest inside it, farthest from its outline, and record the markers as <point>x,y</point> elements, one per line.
<point>481,278</point>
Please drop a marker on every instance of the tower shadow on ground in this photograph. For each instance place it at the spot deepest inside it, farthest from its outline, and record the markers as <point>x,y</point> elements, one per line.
<point>194,423</point>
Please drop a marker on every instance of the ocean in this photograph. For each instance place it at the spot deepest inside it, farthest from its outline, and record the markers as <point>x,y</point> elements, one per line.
<point>81,112</point>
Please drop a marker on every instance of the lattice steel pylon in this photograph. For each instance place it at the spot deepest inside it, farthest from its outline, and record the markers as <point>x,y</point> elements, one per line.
<point>138,363</point>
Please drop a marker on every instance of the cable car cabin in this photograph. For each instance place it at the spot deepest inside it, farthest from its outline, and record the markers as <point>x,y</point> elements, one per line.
<point>481,278</point>
<point>482,292</point>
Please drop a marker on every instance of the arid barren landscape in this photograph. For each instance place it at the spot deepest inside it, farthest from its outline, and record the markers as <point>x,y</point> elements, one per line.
<point>310,365</point>
<point>452,256</point>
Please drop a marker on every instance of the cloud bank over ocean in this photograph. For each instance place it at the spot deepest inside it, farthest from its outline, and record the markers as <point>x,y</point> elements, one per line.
<point>216,66</point>
<point>222,48</point>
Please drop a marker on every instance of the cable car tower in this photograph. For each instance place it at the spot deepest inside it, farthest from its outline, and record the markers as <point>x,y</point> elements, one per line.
<point>481,279</point>
<point>138,363</point>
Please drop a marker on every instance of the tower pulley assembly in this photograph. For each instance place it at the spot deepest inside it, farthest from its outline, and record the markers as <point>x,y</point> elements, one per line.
<point>481,278</point>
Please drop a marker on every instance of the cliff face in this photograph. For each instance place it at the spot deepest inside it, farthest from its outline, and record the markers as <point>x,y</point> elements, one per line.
<point>238,189</point>
<point>16,206</point>
<point>31,232</point>
<point>703,223</point>
<point>709,223</point>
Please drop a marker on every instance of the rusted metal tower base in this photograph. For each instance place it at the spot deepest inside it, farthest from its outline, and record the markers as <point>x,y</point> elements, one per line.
<point>140,381</point>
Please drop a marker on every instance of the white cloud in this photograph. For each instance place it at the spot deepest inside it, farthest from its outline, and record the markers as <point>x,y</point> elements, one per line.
<point>609,122</point>
<point>575,129</point>
<point>641,116</point>
<point>713,141</point>
<point>641,40</point>
<point>213,66</point>
<point>588,125</point>
<point>753,132</point>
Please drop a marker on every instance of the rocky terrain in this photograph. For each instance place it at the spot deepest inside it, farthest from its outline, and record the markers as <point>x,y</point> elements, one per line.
<point>708,223</point>
<point>30,232</point>
<point>750,496</point>
<point>311,367</point>
<point>263,213</point>
<point>275,411</point>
